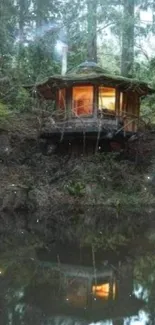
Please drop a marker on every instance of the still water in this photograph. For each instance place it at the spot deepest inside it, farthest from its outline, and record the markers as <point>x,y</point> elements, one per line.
<point>71,284</point>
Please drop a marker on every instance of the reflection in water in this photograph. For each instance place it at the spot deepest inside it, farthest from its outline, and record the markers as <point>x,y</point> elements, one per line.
<point>82,292</point>
<point>63,288</point>
<point>141,319</point>
<point>102,323</point>
<point>47,292</point>
<point>103,290</point>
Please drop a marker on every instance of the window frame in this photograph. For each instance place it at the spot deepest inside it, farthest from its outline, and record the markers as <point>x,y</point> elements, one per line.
<point>69,100</point>
<point>116,94</point>
<point>94,104</point>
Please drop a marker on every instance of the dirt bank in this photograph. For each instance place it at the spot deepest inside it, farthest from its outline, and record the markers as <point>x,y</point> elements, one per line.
<point>42,189</point>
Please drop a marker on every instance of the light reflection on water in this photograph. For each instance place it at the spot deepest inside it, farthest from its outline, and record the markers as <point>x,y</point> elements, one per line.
<point>141,319</point>
<point>61,291</point>
<point>141,292</point>
<point>102,323</point>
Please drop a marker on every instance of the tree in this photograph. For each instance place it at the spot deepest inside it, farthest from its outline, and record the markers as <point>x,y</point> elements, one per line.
<point>92,30</point>
<point>127,57</point>
<point>7,34</point>
<point>153,15</point>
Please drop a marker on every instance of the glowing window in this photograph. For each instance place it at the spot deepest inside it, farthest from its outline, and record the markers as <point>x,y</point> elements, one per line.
<point>62,99</point>
<point>82,101</point>
<point>103,291</point>
<point>107,98</point>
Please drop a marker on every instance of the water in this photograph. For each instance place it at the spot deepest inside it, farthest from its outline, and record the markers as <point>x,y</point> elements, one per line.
<point>79,283</point>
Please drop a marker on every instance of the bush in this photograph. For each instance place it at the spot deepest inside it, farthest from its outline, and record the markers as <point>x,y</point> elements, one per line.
<point>20,100</point>
<point>4,112</point>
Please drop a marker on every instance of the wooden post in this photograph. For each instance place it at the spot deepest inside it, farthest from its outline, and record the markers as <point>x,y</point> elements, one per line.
<point>95,100</point>
<point>69,102</point>
<point>117,103</point>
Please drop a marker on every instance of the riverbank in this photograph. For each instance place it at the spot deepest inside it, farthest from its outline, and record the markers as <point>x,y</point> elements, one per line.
<point>40,187</point>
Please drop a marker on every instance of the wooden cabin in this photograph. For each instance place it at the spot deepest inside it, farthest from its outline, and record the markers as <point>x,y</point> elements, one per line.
<point>88,102</point>
<point>84,293</point>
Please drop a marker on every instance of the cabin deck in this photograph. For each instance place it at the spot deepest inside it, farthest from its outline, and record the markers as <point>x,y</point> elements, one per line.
<point>84,127</point>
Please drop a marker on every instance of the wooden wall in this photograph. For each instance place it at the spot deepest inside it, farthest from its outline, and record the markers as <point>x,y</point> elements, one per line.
<point>131,110</point>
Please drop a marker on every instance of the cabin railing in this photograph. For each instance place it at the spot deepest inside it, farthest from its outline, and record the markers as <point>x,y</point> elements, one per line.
<point>127,121</point>
<point>122,121</point>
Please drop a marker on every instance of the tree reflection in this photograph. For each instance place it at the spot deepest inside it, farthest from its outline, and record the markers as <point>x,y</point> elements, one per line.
<point>145,276</point>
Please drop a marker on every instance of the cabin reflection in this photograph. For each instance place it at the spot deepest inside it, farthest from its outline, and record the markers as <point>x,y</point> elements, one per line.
<point>85,293</point>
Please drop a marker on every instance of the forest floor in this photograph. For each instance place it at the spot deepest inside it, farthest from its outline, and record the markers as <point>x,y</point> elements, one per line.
<point>40,190</point>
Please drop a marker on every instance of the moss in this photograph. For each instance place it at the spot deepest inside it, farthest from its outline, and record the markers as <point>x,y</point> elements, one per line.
<point>95,78</point>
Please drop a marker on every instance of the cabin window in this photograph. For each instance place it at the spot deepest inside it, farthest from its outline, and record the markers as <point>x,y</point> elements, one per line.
<point>82,101</point>
<point>62,99</point>
<point>107,99</point>
<point>103,291</point>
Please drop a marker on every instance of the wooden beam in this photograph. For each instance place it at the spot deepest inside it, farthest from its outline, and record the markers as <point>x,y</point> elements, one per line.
<point>117,102</point>
<point>69,100</point>
<point>95,100</point>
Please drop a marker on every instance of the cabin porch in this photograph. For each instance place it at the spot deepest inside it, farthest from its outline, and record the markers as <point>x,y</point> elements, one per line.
<point>105,127</point>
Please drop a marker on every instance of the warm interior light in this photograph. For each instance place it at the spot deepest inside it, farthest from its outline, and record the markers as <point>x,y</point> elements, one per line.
<point>114,290</point>
<point>82,103</point>
<point>121,101</point>
<point>103,291</point>
<point>107,98</point>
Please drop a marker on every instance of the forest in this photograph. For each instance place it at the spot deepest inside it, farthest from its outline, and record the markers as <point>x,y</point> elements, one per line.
<point>117,34</point>
<point>102,202</point>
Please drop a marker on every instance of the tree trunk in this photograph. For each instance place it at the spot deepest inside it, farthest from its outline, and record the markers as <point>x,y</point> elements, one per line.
<point>21,23</point>
<point>39,14</point>
<point>92,30</point>
<point>153,16</point>
<point>127,60</point>
<point>21,19</point>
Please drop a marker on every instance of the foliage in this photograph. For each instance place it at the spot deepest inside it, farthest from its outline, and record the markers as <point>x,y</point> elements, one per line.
<point>75,188</point>
<point>148,109</point>
<point>58,198</point>
<point>30,30</point>
<point>4,113</point>
<point>106,240</point>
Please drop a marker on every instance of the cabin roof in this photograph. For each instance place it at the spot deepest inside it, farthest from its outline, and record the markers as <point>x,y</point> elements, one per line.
<point>100,77</point>
<point>90,72</point>
<point>87,67</point>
